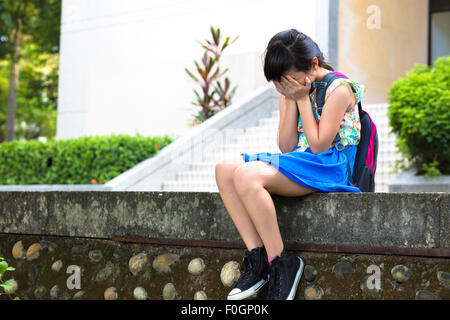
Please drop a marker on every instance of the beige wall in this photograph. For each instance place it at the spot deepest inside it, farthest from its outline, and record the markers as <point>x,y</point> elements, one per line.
<point>377,57</point>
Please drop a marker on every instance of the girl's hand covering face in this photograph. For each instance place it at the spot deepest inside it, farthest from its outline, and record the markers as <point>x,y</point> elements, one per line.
<point>291,88</point>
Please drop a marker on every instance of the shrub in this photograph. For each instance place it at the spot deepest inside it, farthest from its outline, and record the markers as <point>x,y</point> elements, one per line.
<point>419,113</point>
<point>217,100</point>
<point>83,160</point>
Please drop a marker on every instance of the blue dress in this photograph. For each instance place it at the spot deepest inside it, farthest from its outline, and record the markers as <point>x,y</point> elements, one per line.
<point>325,171</point>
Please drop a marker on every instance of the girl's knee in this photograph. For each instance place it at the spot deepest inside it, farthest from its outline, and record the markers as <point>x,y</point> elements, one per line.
<point>224,173</point>
<point>245,180</point>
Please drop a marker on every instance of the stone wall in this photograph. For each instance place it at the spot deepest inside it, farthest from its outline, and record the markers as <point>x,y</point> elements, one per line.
<point>42,234</point>
<point>113,270</point>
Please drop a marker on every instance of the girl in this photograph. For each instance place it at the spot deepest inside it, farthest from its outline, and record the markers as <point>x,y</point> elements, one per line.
<point>308,162</point>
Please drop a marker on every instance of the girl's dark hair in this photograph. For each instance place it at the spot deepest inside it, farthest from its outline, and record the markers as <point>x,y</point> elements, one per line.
<point>291,48</point>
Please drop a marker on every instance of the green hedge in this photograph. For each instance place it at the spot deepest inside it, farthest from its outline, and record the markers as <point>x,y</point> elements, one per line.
<point>419,113</point>
<point>84,160</point>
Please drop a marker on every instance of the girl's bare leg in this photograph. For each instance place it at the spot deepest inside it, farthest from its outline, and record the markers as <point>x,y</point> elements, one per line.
<point>254,181</point>
<point>236,209</point>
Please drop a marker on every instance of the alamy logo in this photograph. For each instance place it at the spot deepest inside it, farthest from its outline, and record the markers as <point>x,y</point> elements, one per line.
<point>374,20</point>
<point>374,280</point>
<point>74,281</point>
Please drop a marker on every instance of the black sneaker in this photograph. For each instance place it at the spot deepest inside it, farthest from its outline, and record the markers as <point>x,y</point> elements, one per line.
<point>284,276</point>
<point>254,271</point>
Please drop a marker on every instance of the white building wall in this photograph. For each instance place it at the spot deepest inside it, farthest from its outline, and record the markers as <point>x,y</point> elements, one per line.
<point>122,61</point>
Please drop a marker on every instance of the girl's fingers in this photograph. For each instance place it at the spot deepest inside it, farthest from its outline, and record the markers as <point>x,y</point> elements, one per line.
<point>278,86</point>
<point>284,84</point>
<point>292,81</point>
<point>279,83</point>
<point>288,79</point>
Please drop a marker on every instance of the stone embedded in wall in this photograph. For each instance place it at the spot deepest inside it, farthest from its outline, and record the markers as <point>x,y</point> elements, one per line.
<point>313,292</point>
<point>140,293</point>
<point>309,273</point>
<point>163,262</point>
<point>401,273</point>
<point>200,295</point>
<point>40,292</point>
<point>137,263</point>
<point>79,295</point>
<point>196,266</point>
<point>95,256</point>
<point>54,292</point>
<point>169,292</point>
<point>425,295</point>
<point>230,273</point>
<point>342,269</point>
<point>13,289</point>
<point>444,278</point>
<point>18,252</point>
<point>33,251</point>
<point>103,274</point>
<point>111,293</point>
<point>57,266</point>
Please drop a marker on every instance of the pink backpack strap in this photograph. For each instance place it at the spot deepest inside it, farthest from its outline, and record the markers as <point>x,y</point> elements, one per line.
<point>339,74</point>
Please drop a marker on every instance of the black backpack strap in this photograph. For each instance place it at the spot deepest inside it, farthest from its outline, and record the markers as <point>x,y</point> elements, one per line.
<point>321,89</point>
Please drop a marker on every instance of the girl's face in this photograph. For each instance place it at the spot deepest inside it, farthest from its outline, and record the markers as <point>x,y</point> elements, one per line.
<point>299,76</point>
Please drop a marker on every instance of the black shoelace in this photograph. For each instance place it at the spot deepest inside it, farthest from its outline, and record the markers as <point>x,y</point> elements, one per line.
<point>247,267</point>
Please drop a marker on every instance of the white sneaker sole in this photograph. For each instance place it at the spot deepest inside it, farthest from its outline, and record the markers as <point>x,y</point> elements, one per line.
<point>247,293</point>
<point>291,295</point>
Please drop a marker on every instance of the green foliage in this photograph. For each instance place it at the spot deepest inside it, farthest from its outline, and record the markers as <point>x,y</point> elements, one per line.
<point>39,22</point>
<point>39,19</point>
<point>83,160</point>
<point>36,95</point>
<point>419,113</point>
<point>220,97</point>
<point>8,284</point>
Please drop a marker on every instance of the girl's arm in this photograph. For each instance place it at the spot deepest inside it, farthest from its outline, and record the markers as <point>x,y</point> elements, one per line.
<point>287,137</point>
<point>320,136</point>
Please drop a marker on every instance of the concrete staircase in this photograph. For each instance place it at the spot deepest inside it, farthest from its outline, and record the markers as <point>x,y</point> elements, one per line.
<point>262,138</point>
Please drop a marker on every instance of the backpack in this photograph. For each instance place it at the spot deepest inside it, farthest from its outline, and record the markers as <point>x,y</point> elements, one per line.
<point>365,165</point>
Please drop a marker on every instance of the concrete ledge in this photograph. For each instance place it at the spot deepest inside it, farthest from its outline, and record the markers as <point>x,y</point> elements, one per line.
<point>414,220</point>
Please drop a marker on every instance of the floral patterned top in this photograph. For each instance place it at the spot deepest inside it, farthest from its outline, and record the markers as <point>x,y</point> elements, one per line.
<point>350,128</point>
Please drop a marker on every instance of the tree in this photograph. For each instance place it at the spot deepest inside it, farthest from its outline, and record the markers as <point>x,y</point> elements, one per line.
<point>37,21</point>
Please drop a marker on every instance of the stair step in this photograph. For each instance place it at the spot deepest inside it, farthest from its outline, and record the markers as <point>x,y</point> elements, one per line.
<point>252,148</point>
<point>205,176</point>
<point>261,130</point>
<point>209,176</point>
<point>219,157</point>
<point>191,186</point>
<point>252,139</point>
<point>269,122</point>
<point>263,138</point>
<point>204,166</point>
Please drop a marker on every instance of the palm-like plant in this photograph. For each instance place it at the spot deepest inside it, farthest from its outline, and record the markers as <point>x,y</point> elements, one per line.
<point>219,98</point>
